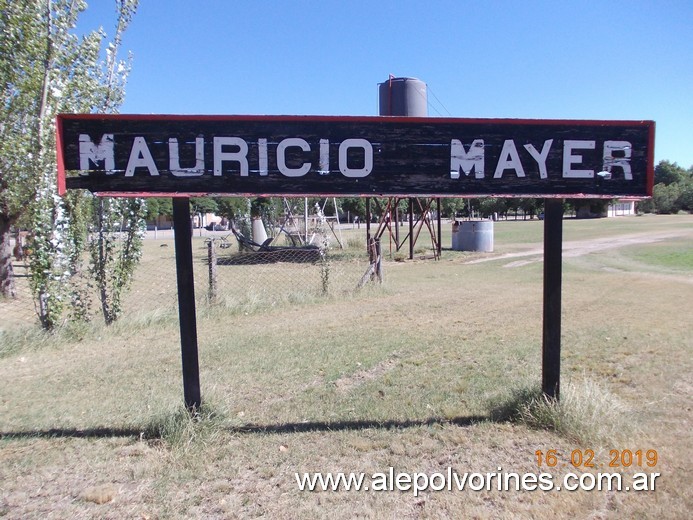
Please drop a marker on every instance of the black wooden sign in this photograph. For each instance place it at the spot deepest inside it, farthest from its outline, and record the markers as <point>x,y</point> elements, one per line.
<point>354,156</point>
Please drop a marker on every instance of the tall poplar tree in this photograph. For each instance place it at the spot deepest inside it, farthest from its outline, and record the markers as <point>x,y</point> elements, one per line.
<point>45,68</point>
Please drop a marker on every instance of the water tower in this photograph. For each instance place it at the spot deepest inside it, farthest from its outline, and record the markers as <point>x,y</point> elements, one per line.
<point>405,97</point>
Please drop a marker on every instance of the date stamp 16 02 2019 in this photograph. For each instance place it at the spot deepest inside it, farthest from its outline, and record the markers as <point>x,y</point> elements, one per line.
<point>586,458</point>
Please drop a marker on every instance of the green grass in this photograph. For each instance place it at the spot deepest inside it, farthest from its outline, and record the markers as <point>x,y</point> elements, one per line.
<point>676,256</point>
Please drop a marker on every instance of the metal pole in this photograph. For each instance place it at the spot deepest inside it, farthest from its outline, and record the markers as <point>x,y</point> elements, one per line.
<point>551,343</point>
<point>305,216</point>
<point>440,228</point>
<point>396,204</point>
<point>411,228</point>
<point>186,302</point>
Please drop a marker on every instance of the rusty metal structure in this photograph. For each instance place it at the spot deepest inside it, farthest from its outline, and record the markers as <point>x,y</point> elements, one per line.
<point>405,97</point>
<point>419,214</point>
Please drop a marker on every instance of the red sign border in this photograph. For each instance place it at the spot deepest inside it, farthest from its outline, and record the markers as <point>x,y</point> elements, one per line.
<point>62,188</point>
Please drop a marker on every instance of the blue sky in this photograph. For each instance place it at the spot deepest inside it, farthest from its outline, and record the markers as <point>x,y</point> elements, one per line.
<point>531,59</point>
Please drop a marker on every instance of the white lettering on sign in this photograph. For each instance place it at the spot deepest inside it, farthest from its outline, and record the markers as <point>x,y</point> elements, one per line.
<point>615,154</point>
<point>367,158</point>
<point>263,164</point>
<point>240,156</point>
<point>140,157</point>
<point>569,159</point>
<point>540,157</point>
<point>324,165</point>
<point>509,160</point>
<point>466,161</point>
<point>103,152</point>
<point>174,160</point>
<point>281,156</point>
<point>622,161</point>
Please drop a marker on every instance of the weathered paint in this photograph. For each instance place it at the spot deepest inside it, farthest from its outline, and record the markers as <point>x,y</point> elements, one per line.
<point>355,156</point>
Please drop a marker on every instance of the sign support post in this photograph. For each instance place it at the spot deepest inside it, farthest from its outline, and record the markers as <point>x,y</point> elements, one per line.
<point>186,303</point>
<point>551,343</point>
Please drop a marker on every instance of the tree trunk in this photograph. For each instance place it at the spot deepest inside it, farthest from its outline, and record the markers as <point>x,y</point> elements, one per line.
<point>7,287</point>
<point>102,262</point>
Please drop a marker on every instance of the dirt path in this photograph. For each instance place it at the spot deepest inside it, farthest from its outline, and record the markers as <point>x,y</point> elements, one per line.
<point>583,247</point>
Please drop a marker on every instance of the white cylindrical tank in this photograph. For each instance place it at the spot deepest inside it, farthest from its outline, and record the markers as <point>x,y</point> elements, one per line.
<point>473,235</point>
<point>258,228</point>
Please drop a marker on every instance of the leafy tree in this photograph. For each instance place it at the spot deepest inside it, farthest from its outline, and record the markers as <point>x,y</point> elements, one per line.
<point>451,207</point>
<point>202,205</point>
<point>232,208</point>
<point>512,205</point>
<point>686,196</point>
<point>46,69</point>
<point>115,250</point>
<point>669,173</point>
<point>673,190</point>
<point>530,206</point>
<point>159,207</point>
<point>666,197</point>
<point>589,208</point>
<point>116,246</point>
<point>645,206</point>
<point>355,206</point>
<point>24,93</point>
<point>489,206</point>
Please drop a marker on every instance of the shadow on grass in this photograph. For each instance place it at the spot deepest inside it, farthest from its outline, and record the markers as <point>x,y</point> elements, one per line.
<point>302,427</point>
<point>86,433</point>
<point>319,426</point>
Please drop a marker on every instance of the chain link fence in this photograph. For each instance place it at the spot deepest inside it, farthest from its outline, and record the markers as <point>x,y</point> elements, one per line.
<point>18,310</point>
<point>234,279</point>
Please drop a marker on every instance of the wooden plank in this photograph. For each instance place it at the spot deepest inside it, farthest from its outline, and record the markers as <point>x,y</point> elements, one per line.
<point>186,303</point>
<point>553,268</point>
<point>351,156</point>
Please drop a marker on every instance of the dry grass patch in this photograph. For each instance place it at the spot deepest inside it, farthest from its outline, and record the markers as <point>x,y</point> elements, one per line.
<point>587,414</point>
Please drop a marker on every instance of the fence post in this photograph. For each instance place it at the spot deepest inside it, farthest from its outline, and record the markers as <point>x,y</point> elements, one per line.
<point>411,228</point>
<point>368,222</point>
<point>212,258</point>
<point>378,261</point>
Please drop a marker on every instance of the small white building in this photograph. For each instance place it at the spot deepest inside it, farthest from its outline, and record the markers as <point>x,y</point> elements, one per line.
<point>621,207</point>
<point>209,219</point>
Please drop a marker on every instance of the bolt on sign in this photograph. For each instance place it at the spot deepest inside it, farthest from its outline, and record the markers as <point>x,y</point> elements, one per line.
<point>164,155</point>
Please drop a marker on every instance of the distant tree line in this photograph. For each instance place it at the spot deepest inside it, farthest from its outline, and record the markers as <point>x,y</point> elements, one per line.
<point>238,209</point>
<point>673,190</point>
<point>273,209</point>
